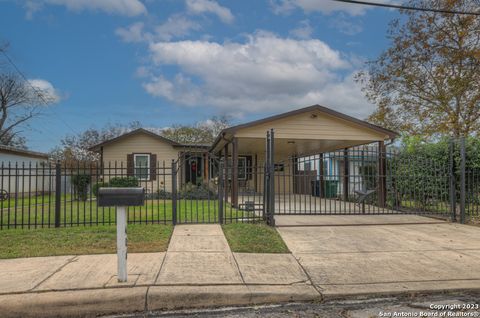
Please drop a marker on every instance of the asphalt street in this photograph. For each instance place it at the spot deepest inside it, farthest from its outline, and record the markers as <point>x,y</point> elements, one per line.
<point>418,306</point>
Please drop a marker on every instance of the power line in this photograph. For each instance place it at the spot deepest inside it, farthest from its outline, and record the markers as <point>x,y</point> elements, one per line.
<point>395,6</point>
<point>35,89</point>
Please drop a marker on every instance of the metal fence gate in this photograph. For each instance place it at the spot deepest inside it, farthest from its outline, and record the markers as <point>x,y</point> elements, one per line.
<point>373,179</point>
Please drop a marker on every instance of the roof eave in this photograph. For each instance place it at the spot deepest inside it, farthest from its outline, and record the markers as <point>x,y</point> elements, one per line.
<point>136,131</point>
<point>232,130</point>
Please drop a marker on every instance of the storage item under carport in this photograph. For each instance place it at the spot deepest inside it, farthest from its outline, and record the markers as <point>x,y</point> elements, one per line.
<point>330,188</point>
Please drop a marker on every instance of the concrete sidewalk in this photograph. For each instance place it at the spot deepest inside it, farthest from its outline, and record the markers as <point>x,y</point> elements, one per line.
<point>198,270</point>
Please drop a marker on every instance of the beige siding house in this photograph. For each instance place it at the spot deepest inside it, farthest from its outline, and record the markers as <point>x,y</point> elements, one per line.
<point>310,130</point>
<point>148,157</point>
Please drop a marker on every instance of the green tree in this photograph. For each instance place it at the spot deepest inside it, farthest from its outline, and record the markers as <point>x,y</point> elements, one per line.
<point>428,81</point>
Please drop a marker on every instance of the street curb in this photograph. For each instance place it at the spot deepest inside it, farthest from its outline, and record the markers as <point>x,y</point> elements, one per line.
<point>109,301</point>
<point>95,302</point>
<point>397,293</point>
<point>187,297</point>
<point>77,303</point>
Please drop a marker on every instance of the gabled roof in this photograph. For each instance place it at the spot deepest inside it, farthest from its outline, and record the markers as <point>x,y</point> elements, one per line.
<point>147,132</point>
<point>131,133</point>
<point>23,152</point>
<point>322,109</point>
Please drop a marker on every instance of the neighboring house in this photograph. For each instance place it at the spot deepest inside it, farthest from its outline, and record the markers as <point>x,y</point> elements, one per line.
<point>21,171</point>
<point>21,156</point>
<point>148,157</point>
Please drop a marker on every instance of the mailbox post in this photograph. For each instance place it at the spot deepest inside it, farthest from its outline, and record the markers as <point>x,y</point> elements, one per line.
<point>121,198</point>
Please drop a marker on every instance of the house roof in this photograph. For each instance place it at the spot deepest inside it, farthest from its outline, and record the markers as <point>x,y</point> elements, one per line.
<point>150,133</point>
<point>232,130</point>
<point>23,152</point>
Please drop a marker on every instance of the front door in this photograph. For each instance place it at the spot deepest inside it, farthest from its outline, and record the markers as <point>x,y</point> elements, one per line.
<point>193,169</point>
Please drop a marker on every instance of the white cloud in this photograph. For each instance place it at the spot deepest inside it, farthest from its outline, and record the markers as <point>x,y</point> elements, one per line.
<point>132,33</point>
<point>176,26</point>
<point>118,7</point>
<point>46,89</point>
<point>344,25</point>
<point>303,31</point>
<point>326,7</point>
<point>266,73</point>
<point>210,6</point>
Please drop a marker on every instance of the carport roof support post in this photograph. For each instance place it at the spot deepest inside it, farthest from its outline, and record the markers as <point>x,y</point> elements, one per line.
<point>345,174</point>
<point>235,172</point>
<point>382,175</point>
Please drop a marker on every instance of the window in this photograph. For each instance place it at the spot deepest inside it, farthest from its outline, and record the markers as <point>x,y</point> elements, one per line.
<point>142,166</point>
<point>307,166</point>
<point>242,168</point>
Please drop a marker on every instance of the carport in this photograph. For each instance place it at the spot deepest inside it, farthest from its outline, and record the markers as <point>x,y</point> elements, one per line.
<point>312,150</point>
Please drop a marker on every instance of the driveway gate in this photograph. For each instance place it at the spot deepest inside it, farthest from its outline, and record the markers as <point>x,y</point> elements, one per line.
<point>371,179</point>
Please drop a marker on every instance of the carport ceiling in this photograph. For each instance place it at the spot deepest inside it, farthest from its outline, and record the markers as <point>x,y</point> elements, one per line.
<point>286,147</point>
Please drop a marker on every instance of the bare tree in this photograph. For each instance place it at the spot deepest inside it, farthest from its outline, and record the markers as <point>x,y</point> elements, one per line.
<point>76,147</point>
<point>19,103</point>
<point>201,132</point>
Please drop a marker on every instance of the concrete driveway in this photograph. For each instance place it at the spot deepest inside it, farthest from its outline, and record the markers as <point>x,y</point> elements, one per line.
<point>344,257</point>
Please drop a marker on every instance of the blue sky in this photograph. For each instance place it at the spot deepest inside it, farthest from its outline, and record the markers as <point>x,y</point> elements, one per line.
<point>165,62</point>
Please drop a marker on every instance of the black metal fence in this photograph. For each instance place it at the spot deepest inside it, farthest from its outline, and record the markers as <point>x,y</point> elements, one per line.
<point>375,179</point>
<point>361,180</point>
<point>64,194</point>
<point>202,188</point>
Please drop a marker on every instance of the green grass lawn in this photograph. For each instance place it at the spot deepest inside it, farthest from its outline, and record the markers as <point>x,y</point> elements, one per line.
<point>82,240</point>
<point>254,238</point>
<point>32,200</point>
<point>85,212</point>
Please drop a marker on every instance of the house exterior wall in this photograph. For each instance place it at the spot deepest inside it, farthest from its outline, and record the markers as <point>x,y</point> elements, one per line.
<point>139,143</point>
<point>116,153</point>
<point>284,178</point>
<point>312,125</point>
<point>22,175</point>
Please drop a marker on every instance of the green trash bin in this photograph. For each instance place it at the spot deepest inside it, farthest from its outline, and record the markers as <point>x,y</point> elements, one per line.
<point>331,188</point>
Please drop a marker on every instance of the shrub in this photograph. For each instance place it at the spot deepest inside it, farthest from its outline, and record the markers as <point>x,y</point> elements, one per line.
<point>196,192</point>
<point>80,185</point>
<point>160,194</point>
<point>121,182</point>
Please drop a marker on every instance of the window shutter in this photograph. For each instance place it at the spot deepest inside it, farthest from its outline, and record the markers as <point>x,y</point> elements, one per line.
<point>130,165</point>
<point>249,167</point>
<point>153,166</point>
